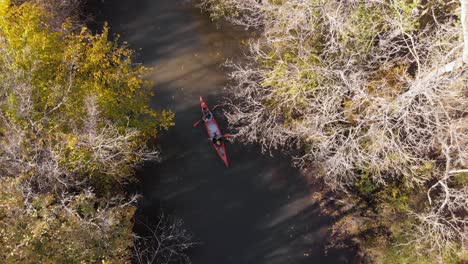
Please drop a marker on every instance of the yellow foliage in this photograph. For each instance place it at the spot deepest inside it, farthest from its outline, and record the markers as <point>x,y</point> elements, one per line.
<point>76,65</point>
<point>47,77</point>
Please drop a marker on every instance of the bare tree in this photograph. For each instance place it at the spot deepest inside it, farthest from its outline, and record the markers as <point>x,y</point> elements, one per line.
<point>374,93</point>
<point>166,243</point>
<point>464,21</point>
<point>113,149</point>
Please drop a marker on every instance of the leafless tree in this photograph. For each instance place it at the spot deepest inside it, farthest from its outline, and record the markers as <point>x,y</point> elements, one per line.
<point>464,20</point>
<point>166,243</point>
<point>112,148</point>
<point>331,101</point>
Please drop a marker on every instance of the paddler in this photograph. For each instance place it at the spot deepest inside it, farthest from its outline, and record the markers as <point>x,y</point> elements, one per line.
<point>206,115</point>
<point>217,140</point>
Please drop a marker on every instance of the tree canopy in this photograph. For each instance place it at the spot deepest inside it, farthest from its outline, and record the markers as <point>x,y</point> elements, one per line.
<point>74,124</point>
<point>372,95</point>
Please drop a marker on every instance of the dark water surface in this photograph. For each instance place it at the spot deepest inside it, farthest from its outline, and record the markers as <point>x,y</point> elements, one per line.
<point>259,210</point>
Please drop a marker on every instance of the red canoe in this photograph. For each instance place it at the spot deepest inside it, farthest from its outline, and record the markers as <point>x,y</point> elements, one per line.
<point>213,130</point>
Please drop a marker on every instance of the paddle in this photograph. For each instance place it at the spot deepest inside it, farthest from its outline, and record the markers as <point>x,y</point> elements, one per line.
<point>197,123</point>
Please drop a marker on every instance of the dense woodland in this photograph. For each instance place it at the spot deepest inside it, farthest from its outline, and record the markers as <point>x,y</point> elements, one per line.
<point>372,95</point>
<point>74,125</point>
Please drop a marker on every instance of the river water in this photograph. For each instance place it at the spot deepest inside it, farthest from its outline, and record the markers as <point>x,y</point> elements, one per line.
<point>257,211</point>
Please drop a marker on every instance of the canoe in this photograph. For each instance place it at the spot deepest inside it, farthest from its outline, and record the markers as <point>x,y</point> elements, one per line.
<point>213,130</point>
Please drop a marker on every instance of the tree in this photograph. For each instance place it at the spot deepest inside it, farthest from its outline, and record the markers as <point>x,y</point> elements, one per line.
<point>74,125</point>
<point>67,228</point>
<point>166,242</point>
<point>371,94</point>
<point>464,20</point>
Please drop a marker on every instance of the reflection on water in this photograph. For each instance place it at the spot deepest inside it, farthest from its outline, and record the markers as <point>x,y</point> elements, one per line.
<point>259,210</point>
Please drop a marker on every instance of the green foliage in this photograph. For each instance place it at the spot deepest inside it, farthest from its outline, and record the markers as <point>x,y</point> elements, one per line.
<point>220,9</point>
<point>365,186</point>
<point>359,35</point>
<point>404,10</point>
<point>395,195</point>
<point>395,253</point>
<point>389,243</point>
<point>289,78</point>
<point>461,179</point>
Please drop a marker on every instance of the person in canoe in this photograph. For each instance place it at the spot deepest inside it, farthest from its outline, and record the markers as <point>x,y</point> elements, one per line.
<point>217,140</point>
<point>206,115</point>
<point>214,132</point>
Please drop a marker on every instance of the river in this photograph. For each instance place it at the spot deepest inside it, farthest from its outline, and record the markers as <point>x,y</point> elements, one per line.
<point>257,211</point>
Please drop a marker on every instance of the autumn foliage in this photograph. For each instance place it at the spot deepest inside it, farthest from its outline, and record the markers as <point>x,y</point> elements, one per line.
<point>74,122</point>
